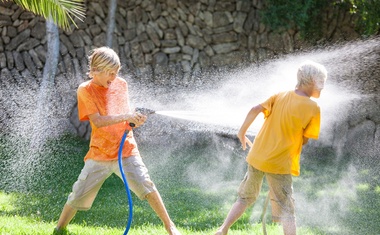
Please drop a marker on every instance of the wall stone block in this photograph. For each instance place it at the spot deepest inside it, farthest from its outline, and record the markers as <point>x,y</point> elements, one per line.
<point>222,18</point>
<point>3,60</point>
<point>29,63</point>
<point>5,20</point>
<point>225,6</point>
<point>76,39</point>
<point>16,41</point>
<point>196,42</point>
<point>225,47</point>
<point>10,60</point>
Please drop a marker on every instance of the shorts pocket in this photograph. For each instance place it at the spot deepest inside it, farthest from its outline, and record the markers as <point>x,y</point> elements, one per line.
<point>138,163</point>
<point>83,176</point>
<point>78,186</point>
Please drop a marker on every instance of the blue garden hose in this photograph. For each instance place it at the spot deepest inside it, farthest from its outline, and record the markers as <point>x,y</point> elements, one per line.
<point>120,156</point>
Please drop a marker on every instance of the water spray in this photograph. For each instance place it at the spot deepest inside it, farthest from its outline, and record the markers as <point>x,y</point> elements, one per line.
<point>143,111</point>
<point>146,112</point>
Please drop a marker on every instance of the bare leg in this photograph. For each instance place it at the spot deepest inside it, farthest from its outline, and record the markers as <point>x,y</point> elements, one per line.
<point>155,201</point>
<point>236,211</point>
<point>289,227</point>
<point>67,215</point>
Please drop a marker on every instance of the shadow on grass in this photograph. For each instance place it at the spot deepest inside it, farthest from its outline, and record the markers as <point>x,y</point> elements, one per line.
<point>364,216</point>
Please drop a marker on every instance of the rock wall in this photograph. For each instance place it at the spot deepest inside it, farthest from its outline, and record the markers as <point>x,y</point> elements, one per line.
<point>166,42</point>
<point>161,43</point>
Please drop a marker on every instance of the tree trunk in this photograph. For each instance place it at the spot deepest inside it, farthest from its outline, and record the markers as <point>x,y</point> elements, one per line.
<point>111,22</point>
<point>51,63</point>
<point>45,99</point>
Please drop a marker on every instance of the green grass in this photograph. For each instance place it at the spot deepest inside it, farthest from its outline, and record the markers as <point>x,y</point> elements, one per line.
<point>33,190</point>
<point>28,225</point>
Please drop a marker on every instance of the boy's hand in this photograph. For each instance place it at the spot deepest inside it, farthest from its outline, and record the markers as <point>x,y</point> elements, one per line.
<point>244,141</point>
<point>137,118</point>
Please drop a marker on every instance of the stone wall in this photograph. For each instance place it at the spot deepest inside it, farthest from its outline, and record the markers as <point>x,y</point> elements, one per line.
<point>161,43</point>
<point>164,41</point>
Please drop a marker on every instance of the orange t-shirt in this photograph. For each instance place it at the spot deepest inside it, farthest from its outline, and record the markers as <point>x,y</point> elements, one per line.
<point>277,147</point>
<point>105,141</point>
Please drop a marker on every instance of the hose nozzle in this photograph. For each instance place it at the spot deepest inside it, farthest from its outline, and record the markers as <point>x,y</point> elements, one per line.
<point>145,111</point>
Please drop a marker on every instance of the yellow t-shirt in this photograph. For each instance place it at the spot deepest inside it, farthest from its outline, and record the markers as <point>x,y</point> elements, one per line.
<point>105,141</point>
<point>277,147</point>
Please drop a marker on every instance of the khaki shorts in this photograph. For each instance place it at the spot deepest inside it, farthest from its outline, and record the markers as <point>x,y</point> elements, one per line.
<point>280,192</point>
<point>94,173</point>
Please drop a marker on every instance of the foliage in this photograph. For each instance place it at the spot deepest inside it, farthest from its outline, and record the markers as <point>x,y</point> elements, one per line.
<point>368,12</point>
<point>61,12</point>
<point>306,15</point>
<point>287,14</point>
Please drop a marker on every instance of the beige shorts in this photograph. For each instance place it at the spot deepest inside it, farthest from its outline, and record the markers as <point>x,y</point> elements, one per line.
<point>280,192</point>
<point>94,173</point>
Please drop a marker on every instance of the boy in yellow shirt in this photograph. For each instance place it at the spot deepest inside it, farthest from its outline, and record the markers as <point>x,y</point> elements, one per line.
<point>291,119</point>
<point>103,101</point>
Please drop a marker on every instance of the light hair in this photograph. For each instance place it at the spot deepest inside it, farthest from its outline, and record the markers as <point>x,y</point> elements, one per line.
<point>311,73</point>
<point>103,59</point>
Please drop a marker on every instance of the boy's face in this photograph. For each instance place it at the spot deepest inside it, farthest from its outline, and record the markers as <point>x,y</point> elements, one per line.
<point>105,78</point>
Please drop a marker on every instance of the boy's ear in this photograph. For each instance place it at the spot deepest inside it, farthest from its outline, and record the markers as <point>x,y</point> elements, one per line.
<point>95,70</point>
<point>319,85</point>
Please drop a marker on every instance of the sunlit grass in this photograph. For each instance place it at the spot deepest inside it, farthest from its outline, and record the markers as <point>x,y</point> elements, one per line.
<point>30,225</point>
<point>6,202</point>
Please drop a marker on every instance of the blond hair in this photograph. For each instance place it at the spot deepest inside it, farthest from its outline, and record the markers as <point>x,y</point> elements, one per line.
<point>311,73</point>
<point>103,59</point>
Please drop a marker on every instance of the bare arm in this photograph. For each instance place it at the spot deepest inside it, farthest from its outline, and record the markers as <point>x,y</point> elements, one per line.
<point>251,116</point>
<point>101,121</point>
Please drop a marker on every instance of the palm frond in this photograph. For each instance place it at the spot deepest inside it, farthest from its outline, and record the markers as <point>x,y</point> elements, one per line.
<point>61,12</point>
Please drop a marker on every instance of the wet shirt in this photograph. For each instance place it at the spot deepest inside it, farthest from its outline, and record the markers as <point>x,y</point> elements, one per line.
<point>277,147</point>
<point>105,141</point>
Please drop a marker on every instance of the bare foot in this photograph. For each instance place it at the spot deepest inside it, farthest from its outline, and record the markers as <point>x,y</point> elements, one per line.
<point>173,231</point>
<point>220,232</point>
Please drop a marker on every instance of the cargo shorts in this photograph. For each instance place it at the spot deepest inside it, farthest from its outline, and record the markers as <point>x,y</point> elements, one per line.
<point>94,173</point>
<point>280,192</point>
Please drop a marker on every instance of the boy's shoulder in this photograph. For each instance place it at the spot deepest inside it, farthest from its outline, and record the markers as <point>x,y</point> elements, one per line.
<point>292,95</point>
<point>281,94</point>
<point>83,86</point>
<point>120,79</point>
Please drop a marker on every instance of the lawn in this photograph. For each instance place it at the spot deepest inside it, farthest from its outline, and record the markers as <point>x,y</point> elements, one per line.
<point>197,178</point>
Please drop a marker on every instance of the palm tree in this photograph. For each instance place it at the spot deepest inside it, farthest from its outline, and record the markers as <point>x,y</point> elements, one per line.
<point>61,12</point>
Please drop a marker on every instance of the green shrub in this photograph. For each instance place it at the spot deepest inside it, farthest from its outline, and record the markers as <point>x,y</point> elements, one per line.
<point>306,15</point>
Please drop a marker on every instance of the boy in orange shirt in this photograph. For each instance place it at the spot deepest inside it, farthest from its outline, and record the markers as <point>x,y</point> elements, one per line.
<point>291,119</point>
<point>103,101</point>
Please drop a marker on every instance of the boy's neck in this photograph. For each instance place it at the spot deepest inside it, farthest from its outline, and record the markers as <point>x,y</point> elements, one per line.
<point>95,81</point>
<point>302,92</point>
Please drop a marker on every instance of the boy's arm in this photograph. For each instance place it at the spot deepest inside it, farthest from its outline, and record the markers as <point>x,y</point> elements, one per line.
<point>101,121</point>
<point>305,140</point>
<point>251,116</point>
